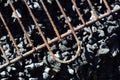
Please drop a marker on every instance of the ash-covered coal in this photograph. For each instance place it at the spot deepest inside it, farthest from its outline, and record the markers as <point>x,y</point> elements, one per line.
<point>100,42</point>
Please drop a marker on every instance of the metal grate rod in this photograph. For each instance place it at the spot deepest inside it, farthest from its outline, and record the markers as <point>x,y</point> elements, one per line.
<point>58,36</point>
<point>107,6</point>
<point>72,30</point>
<point>4,55</point>
<point>11,37</point>
<point>78,12</point>
<point>50,19</point>
<point>21,25</point>
<point>93,9</point>
<point>56,39</point>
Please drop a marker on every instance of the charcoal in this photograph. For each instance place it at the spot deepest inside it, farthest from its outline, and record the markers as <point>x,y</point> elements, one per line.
<point>111,29</point>
<point>3,38</point>
<point>3,73</point>
<point>35,5</point>
<point>28,61</point>
<point>9,69</point>
<point>71,71</point>
<point>31,66</point>
<point>85,38</point>
<point>64,42</point>
<point>114,44</point>
<point>65,53</point>
<point>69,37</point>
<point>94,47</point>
<point>63,47</point>
<point>111,22</point>
<point>99,57</point>
<point>112,39</point>
<point>47,70</point>
<point>21,74</point>
<point>13,68</point>
<point>89,48</point>
<point>103,51</point>
<point>50,58</point>
<point>53,47</point>
<point>74,46</point>
<point>84,61</point>
<point>115,52</point>
<point>20,44</point>
<point>116,7</point>
<point>84,33</point>
<point>57,55</point>
<point>87,29</point>
<point>73,8</point>
<point>38,64</point>
<point>49,1</point>
<point>110,17</point>
<point>45,75</point>
<point>101,33</point>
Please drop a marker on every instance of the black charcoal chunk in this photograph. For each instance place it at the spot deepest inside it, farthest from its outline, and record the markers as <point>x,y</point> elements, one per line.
<point>49,1</point>
<point>65,53</point>
<point>110,17</point>
<point>21,74</point>
<point>71,71</point>
<point>103,51</point>
<point>64,42</point>
<point>89,48</point>
<point>30,66</point>
<point>34,65</point>
<point>45,75</point>
<point>87,29</point>
<point>115,52</point>
<point>101,33</point>
<point>94,46</point>
<point>100,41</point>
<point>54,47</point>
<point>111,28</point>
<point>3,73</point>
<point>116,7</point>
<point>63,47</point>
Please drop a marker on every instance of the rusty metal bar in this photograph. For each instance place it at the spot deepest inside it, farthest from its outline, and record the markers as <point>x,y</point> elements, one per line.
<point>45,41</point>
<point>93,9</point>
<point>50,19</point>
<point>107,6</point>
<point>72,30</point>
<point>21,25</point>
<point>56,38</point>
<point>78,12</point>
<point>11,37</point>
<point>39,30</point>
<point>4,55</point>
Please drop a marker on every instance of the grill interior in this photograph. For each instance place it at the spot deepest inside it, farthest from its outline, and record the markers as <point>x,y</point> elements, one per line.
<point>73,19</point>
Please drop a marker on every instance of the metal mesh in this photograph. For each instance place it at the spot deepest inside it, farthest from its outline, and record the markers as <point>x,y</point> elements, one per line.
<point>58,37</point>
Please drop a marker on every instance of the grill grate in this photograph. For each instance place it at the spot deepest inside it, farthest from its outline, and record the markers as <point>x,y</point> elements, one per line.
<point>59,36</point>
